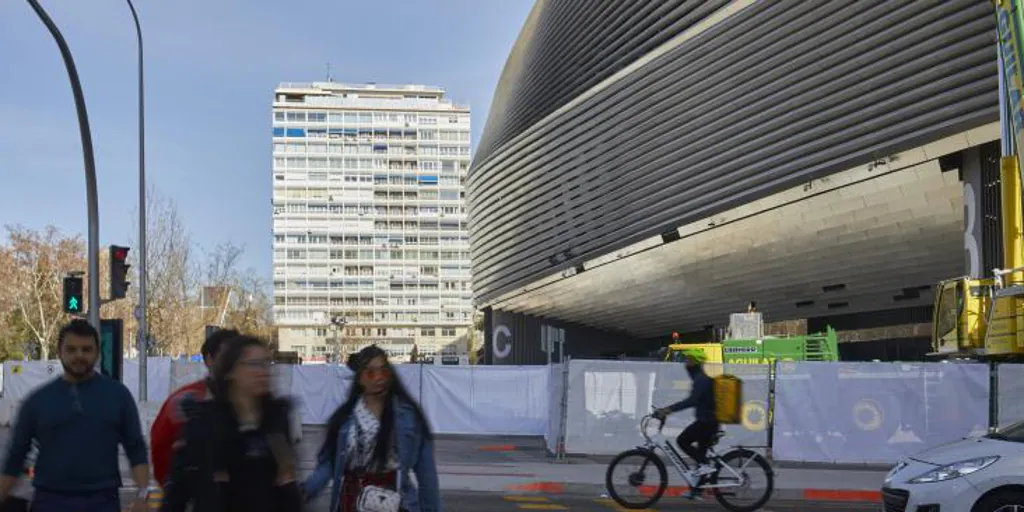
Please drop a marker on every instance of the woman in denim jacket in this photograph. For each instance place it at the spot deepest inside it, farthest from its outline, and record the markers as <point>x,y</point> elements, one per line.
<point>374,439</point>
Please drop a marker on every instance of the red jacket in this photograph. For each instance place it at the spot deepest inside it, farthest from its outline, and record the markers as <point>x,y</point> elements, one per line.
<point>167,427</point>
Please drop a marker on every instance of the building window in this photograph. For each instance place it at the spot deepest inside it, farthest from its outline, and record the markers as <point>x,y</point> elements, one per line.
<point>448,333</point>
<point>427,332</point>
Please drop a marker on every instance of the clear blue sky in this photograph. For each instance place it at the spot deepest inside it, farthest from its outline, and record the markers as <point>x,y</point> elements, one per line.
<point>211,69</point>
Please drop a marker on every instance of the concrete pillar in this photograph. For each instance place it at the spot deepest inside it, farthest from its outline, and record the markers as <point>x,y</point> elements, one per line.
<point>970,172</point>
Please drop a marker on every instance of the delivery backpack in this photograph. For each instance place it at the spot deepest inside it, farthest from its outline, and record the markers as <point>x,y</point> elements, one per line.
<point>728,399</point>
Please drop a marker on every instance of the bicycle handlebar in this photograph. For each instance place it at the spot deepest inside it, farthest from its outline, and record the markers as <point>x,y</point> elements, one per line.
<point>646,420</point>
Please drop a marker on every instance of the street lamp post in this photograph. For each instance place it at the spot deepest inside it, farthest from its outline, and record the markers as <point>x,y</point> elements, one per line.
<point>338,323</point>
<point>142,340</point>
<point>92,203</point>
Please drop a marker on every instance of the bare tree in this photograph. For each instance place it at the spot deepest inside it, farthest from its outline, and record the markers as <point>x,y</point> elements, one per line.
<point>242,299</point>
<point>172,291</point>
<point>40,262</point>
<point>32,265</point>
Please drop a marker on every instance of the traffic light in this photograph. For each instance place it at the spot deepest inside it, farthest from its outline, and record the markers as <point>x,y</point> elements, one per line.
<point>118,272</point>
<point>112,348</point>
<point>73,299</point>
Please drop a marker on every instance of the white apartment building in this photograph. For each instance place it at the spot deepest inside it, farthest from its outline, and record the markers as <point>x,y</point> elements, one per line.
<point>369,219</point>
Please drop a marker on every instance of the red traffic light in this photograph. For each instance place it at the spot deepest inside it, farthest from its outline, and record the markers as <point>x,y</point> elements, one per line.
<point>120,253</point>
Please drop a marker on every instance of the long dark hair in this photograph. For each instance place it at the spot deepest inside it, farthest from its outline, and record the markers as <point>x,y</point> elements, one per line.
<point>387,421</point>
<point>273,410</point>
<point>228,358</point>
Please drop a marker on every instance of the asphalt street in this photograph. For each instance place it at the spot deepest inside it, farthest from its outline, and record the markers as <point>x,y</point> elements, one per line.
<point>476,502</point>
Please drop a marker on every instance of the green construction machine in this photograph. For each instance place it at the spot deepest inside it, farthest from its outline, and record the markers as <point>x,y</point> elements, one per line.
<point>746,344</point>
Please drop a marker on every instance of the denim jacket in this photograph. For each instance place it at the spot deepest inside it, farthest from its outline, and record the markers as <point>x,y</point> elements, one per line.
<point>415,452</point>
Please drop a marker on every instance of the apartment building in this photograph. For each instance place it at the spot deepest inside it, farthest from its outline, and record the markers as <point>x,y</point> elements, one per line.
<point>369,219</point>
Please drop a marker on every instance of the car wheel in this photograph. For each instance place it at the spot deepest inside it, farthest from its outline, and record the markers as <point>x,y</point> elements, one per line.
<point>1005,501</point>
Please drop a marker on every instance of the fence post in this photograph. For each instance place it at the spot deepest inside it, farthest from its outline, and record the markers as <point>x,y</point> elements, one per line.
<point>421,384</point>
<point>993,396</point>
<point>563,412</point>
<point>773,371</point>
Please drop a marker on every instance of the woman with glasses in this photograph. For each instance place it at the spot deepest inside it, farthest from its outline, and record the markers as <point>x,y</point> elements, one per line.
<point>372,442</point>
<point>236,455</point>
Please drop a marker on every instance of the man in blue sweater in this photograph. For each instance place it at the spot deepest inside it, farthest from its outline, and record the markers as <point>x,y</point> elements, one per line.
<point>78,419</point>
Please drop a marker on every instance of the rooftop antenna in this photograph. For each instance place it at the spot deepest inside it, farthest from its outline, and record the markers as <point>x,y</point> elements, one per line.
<point>329,78</point>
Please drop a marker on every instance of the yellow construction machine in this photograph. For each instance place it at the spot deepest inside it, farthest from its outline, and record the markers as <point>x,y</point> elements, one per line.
<point>984,318</point>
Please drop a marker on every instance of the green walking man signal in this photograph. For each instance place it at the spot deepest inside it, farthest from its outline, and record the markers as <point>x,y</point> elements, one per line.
<point>73,300</point>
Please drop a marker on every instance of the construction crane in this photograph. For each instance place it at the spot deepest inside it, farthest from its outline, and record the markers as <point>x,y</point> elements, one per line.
<point>981,318</point>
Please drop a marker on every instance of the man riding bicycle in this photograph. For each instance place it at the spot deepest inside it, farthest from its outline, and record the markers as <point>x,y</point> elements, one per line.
<point>696,438</point>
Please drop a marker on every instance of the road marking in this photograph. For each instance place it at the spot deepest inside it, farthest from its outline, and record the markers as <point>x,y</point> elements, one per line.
<point>526,498</point>
<point>842,495</point>
<point>610,503</point>
<point>541,487</point>
<point>498,448</point>
<point>534,503</point>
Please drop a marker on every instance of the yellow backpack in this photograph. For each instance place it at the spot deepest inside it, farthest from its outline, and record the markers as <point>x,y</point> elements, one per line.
<point>728,399</point>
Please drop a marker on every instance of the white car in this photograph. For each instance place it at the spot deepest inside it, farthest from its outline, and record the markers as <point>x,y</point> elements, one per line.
<point>977,474</point>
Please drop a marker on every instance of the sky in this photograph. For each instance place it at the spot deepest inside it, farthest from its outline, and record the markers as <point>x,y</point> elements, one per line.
<point>211,67</point>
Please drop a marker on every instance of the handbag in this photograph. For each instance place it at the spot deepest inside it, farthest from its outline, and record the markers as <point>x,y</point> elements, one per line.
<point>378,499</point>
<point>373,498</point>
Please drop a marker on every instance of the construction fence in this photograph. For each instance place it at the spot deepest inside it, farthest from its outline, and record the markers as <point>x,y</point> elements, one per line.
<point>800,411</point>
<point>476,400</point>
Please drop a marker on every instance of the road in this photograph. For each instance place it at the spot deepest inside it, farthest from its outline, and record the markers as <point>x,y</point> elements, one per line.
<point>475,502</point>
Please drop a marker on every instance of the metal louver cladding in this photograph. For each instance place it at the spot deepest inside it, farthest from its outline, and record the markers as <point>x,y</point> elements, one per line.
<point>767,98</point>
<point>559,64</point>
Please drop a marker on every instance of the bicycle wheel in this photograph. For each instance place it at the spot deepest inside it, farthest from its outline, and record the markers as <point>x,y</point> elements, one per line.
<point>647,492</point>
<point>745,496</point>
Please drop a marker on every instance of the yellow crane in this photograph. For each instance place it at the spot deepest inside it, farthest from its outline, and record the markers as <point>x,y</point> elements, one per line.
<point>982,317</point>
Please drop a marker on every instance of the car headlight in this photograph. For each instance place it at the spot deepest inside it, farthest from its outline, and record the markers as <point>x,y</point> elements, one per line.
<point>896,469</point>
<point>955,470</point>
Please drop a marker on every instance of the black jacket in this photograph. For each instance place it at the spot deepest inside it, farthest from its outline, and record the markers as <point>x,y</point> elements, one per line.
<point>702,396</point>
<point>214,447</point>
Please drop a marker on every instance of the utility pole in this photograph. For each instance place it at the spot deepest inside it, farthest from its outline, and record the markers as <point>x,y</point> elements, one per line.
<point>142,341</point>
<point>90,164</point>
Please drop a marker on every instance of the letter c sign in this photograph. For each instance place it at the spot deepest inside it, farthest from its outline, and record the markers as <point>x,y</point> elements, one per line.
<point>501,351</point>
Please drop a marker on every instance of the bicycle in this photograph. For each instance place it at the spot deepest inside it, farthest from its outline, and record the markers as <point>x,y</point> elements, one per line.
<point>721,483</point>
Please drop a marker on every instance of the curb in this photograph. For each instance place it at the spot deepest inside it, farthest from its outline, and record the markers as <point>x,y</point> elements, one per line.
<point>672,491</point>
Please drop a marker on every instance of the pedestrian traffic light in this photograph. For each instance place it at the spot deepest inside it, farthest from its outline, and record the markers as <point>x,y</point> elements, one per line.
<point>118,272</point>
<point>73,302</point>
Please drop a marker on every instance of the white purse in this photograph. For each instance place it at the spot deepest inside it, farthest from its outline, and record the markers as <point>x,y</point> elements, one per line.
<point>373,498</point>
<point>378,499</point>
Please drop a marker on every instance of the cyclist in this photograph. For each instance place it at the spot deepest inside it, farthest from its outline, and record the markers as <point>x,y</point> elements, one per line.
<point>696,438</point>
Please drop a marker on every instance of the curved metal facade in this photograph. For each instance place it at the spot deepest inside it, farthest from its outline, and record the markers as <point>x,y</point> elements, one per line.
<point>558,65</point>
<point>765,97</point>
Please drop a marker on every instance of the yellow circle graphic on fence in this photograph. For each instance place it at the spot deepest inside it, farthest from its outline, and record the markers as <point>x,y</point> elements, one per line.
<point>867,414</point>
<point>755,417</point>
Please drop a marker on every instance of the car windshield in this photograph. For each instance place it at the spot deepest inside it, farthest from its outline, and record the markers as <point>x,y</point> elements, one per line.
<point>1014,433</point>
